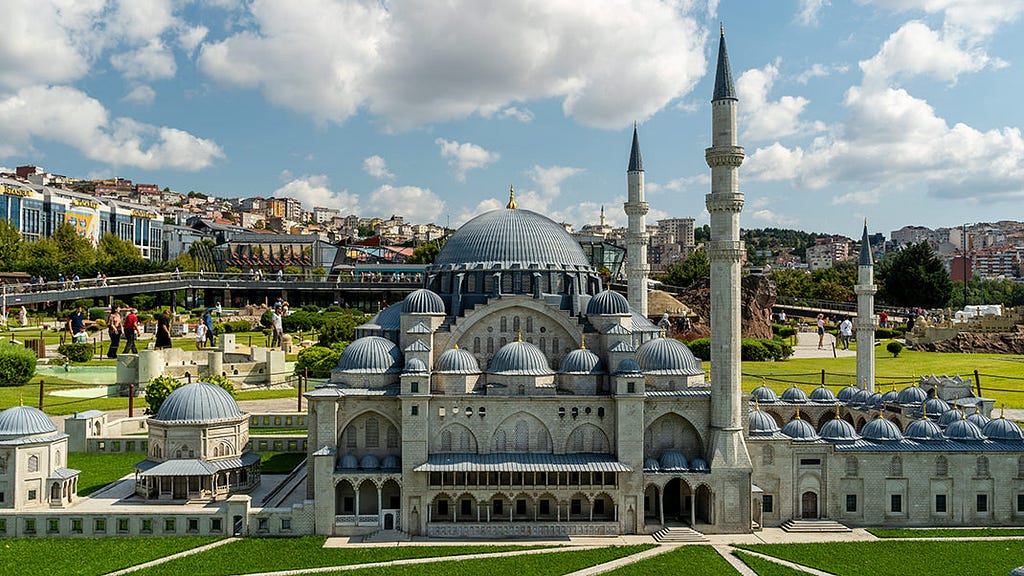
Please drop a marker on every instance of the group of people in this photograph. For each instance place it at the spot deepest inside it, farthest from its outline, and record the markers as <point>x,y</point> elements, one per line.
<point>204,330</point>
<point>845,332</point>
<point>126,327</point>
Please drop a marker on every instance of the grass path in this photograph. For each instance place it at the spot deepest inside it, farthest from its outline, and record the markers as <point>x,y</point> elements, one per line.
<point>171,557</point>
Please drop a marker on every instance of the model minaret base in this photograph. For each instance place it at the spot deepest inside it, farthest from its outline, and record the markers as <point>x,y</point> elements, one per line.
<point>866,319</point>
<point>636,234</point>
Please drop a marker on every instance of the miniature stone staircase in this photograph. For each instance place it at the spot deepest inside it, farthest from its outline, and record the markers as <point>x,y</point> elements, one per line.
<point>673,534</point>
<point>797,525</point>
<point>387,536</point>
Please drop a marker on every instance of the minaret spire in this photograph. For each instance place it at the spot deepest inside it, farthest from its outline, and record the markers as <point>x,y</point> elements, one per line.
<point>724,87</point>
<point>636,233</point>
<point>865,321</point>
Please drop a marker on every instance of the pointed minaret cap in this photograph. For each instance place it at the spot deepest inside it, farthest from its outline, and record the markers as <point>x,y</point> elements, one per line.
<point>636,163</point>
<point>724,88</point>
<point>511,198</point>
<point>865,248</point>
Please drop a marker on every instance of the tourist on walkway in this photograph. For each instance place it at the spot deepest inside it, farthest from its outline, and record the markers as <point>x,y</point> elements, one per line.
<point>277,326</point>
<point>200,335</point>
<point>114,329</point>
<point>163,330</point>
<point>845,333</point>
<point>883,319</point>
<point>131,331</point>
<point>821,331</point>
<point>208,321</point>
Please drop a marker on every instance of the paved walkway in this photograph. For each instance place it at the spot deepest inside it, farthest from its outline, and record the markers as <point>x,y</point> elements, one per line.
<point>189,552</point>
<point>807,347</point>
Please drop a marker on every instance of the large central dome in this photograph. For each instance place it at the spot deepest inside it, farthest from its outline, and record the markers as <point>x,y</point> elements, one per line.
<point>512,238</point>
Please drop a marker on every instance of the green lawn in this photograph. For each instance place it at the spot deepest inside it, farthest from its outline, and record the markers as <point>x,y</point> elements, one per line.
<point>945,532</point>
<point>280,462</point>
<point>277,431</point>
<point>688,560</point>
<point>765,568</point>
<point>45,557</point>
<point>272,554</point>
<point>98,470</point>
<point>898,558</point>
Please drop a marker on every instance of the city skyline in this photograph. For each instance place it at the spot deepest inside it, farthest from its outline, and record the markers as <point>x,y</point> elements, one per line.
<point>900,113</point>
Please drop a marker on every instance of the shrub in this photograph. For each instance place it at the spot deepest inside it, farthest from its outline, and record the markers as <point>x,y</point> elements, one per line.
<point>86,303</point>
<point>754,350</point>
<point>883,333</point>
<point>198,312</point>
<point>158,390</point>
<point>17,365</point>
<point>267,318</point>
<point>233,270</point>
<point>894,348</point>
<point>75,352</point>
<point>311,308</point>
<point>783,331</point>
<point>293,270</point>
<point>144,301</point>
<point>319,271</point>
<point>701,348</point>
<point>340,327</point>
<point>773,347</point>
<point>143,318</point>
<point>100,324</point>
<point>222,381</point>
<point>899,331</point>
<point>319,360</point>
<point>96,313</point>
<point>333,308</point>
<point>232,326</point>
<point>787,350</point>
<point>300,321</point>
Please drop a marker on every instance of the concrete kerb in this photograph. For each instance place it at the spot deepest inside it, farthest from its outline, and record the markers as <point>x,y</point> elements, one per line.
<point>188,552</point>
<point>778,561</point>
<point>620,562</point>
<point>737,564</point>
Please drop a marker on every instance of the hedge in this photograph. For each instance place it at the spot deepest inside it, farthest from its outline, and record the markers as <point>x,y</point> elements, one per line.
<point>17,365</point>
<point>753,349</point>
<point>75,351</point>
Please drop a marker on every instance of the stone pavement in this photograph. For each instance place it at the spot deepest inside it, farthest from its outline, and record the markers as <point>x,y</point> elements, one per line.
<point>807,347</point>
<point>188,552</point>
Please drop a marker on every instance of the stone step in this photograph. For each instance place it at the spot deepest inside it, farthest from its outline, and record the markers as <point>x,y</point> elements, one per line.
<point>679,534</point>
<point>812,526</point>
<point>387,536</point>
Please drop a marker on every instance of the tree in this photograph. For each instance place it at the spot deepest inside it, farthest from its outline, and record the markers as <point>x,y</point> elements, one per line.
<point>686,272</point>
<point>10,245</point>
<point>914,276</point>
<point>75,253</point>
<point>426,253</point>
<point>117,257</point>
<point>701,234</point>
<point>835,283</point>
<point>792,283</point>
<point>40,258</point>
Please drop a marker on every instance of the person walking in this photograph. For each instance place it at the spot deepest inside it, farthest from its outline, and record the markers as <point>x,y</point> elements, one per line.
<point>277,326</point>
<point>131,332</point>
<point>821,331</point>
<point>163,330</point>
<point>845,333</point>
<point>200,335</point>
<point>208,321</point>
<point>114,329</point>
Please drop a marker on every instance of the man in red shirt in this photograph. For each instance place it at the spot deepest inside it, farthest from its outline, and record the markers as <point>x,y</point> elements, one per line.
<point>131,330</point>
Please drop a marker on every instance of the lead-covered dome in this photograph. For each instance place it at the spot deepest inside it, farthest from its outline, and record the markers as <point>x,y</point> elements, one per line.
<point>519,358</point>
<point>1002,429</point>
<point>881,430</point>
<point>965,431</point>
<point>608,302</point>
<point>673,460</point>
<point>764,395</point>
<point>371,355</point>
<point>794,395</point>
<point>510,238</point>
<point>667,356</point>
<point>200,402</point>
<point>923,429</point>
<point>799,429</point>
<point>581,361</point>
<point>838,430</point>
<point>823,395</point>
<point>422,301</point>
<point>912,395</point>
<point>456,361</point>
<point>759,423</point>
<point>24,421</point>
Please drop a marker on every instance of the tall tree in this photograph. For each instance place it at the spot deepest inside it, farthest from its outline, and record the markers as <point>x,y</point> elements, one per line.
<point>10,245</point>
<point>117,257</point>
<point>914,276</point>
<point>688,271</point>
<point>792,283</point>
<point>77,255</point>
<point>425,253</point>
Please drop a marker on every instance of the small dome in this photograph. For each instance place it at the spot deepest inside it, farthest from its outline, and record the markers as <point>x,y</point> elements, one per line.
<point>764,395</point>
<point>859,398</point>
<point>369,462</point>
<point>390,462</point>
<point>912,395</point>
<point>456,361</point>
<point>1018,571</point>
<point>519,358</point>
<point>759,422</point>
<point>651,464</point>
<point>698,465</point>
<point>628,366</point>
<point>371,355</point>
<point>923,429</point>
<point>838,430</point>
<point>25,421</point>
<point>875,401</point>
<point>794,395</point>
<point>581,361</point>
<point>935,407</point>
<point>1002,429</point>
<point>667,356</point>
<point>979,420</point>
<point>798,429</point>
<point>823,395</point>
<point>349,462</point>
<point>881,430</point>
<point>673,460</point>
<point>846,393</point>
<point>415,366</point>
<point>890,397</point>
<point>608,302</point>
<point>422,301</point>
<point>965,431</point>
<point>200,402</point>
<point>950,416</point>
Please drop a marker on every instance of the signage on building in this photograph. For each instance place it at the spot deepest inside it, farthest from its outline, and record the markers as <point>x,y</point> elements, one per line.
<point>141,214</point>
<point>85,203</point>
<point>12,191</point>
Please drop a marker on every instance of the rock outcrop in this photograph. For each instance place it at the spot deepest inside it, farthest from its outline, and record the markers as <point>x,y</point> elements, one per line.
<point>979,343</point>
<point>758,297</point>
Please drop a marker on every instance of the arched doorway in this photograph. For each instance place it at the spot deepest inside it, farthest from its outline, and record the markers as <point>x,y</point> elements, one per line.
<point>344,498</point>
<point>652,501</point>
<point>703,505</point>
<point>389,521</point>
<point>809,505</point>
<point>677,501</point>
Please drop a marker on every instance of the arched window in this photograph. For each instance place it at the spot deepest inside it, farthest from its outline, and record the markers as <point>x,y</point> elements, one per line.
<point>515,324</point>
<point>851,466</point>
<point>554,346</point>
<point>465,442</point>
<point>490,345</point>
<point>1020,467</point>
<point>446,441</point>
<point>529,324</point>
<point>55,491</point>
<point>577,441</point>
<point>58,462</point>
<point>476,345</point>
<point>33,463</point>
<point>392,436</point>
<point>597,444</point>
<point>941,466</point>
<point>499,441</point>
<point>981,467</point>
<point>767,455</point>
<point>543,441</point>
<point>521,437</point>
<point>372,433</point>
<point>504,324</point>
<point>896,467</point>
<point>350,438</point>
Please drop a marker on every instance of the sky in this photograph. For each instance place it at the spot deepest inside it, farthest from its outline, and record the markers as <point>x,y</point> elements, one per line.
<point>904,112</point>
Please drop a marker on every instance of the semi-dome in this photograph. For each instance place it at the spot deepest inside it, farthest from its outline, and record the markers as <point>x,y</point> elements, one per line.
<point>24,421</point>
<point>199,402</point>
<point>950,416</point>
<point>823,395</point>
<point>608,302</point>
<point>881,430</point>
<point>699,465</point>
<point>415,366</point>
<point>456,361</point>
<point>652,465</point>
<point>519,358</point>
<point>510,238</point>
<point>838,430</point>
<point>759,422</point>
<point>1002,429</point>
<point>667,356</point>
<point>794,395</point>
<point>369,462</point>
<point>581,361</point>
<point>965,431</point>
<point>673,460</point>
<point>422,301</point>
<point>799,429</point>
<point>912,395</point>
<point>764,395</point>
<point>628,366</point>
<point>371,355</point>
<point>923,429</point>
<point>846,393</point>
<point>349,462</point>
<point>390,462</point>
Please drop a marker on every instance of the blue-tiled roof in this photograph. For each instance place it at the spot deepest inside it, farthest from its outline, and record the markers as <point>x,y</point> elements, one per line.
<point>24,421</point>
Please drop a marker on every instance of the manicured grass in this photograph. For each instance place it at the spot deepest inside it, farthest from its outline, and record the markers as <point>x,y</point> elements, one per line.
<point>44,557</point>
<point>278,431</point>
<point>271,554</point>
<point>550,564</point>
<point>689,560</point>
<point>945,532</point>
<point>98,470</point>
<point>280,462</point>
<point>897,558</point>
<point>765,568</point>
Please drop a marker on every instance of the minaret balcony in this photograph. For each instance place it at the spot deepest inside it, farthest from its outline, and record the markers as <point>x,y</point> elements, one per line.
<point>727,156</point>
<point>725,250</point>
<point>724,202</point>
<point>860,289</point>
<point>636,208</point>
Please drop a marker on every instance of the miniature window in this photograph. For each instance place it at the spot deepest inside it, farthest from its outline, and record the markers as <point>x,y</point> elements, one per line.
<point>169,525</point>
<point>99,525</point>
<point>851,502</point>
<point>122,525</point>
<point>215,525</point>
<point>30,525</point>
<point>32,494</point>
<point>147,526</point>
<point>415,410</point>
<point>3,526</point>
<point>52,526</point>
<point>940,503</point>
<point>1020,502</point>
<point>263,524</point>
<point>193,525</point>
<point>286,523</point>
<point>767,503</point>
<point>414,387</point>
<point>896,503</point>
<point>982,503</point>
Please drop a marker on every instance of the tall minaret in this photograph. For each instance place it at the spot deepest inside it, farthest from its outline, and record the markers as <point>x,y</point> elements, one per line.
<point>725,250</point>
<point>865,323</point>
<point>636,235</point>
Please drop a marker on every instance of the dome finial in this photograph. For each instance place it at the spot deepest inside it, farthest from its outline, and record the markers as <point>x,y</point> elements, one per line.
<point>583,341</point>
<point>837,410</point>
<point>977,409</point>
<point>797,417</point>
<point>757,405</point>
<point>1002,411</point>
<point>924,411</point>
<point>21,400</point>
<point>511,198</point>
<point>519,335</point>
<point>456,346</point>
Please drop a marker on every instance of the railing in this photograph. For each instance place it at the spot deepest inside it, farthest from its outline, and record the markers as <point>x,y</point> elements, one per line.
<point>357,520</point>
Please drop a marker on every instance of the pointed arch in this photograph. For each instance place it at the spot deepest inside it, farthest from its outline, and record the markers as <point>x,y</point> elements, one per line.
<point>672,432</point>
<point>523,432</point>
<point>587,438</point>
<point>941,467</point>
<point>361,435</point>
<point>455,438</point>
<point>896,467</point>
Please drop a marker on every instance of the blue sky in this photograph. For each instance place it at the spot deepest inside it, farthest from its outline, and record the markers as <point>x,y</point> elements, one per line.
<point>900,111</point>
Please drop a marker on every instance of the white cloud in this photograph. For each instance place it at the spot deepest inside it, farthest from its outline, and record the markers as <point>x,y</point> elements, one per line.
<point>521,114</point>
<point>376,166</point>
<point>766,216</point>
<point>860,197</point>
<point>141,94</point>
<point>916,49</point>
<point>809,10</point>
<point>48,42</point>
<point>142,20</point>
<point>415,203</point>
<point>969,16</point>
<point>315,191</point>
<point>70,116</point>
<point>686,183</point>
<point>765,120</point>
<point>485,205</point>
<point>548,180</point>
<point>151,61</point>
<point>191,36</point>
<point>413,63</point>
<point>465,156</point>
<point>818,70</point>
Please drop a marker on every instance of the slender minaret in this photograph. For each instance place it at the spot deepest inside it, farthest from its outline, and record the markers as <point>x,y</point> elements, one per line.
<point>725,250</point>
<point>636,236</point>
<point>865,323</point>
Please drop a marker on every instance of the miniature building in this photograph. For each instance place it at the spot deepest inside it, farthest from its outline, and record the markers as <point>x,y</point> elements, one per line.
<point>33,459</point>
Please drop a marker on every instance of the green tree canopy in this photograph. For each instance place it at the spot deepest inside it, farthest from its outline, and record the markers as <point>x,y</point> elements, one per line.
<point>40,258</point>
<point>688,271</point>
<point>117,257</point>
<point>792,283</point>
<point>914,276</point>
<point>426,253</point>
<point>76,254</point>
<point>10,245</point>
